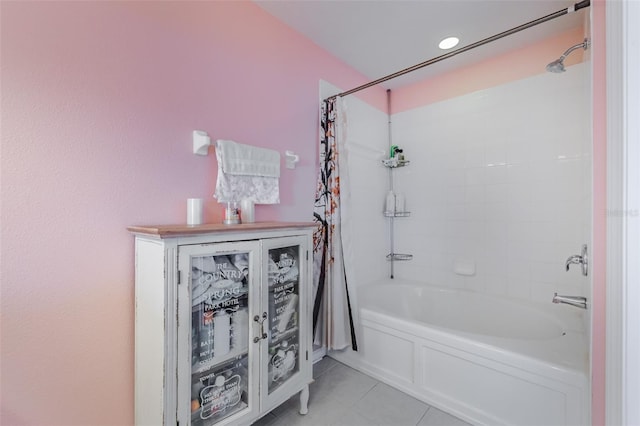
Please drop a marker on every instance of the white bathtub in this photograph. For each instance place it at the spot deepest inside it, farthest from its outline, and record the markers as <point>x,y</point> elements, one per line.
<point>484,359</point>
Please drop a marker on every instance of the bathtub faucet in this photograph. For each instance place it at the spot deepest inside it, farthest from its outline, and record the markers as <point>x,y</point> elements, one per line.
<point>575,259</point>
<point>578,301</point>
<point>581,259</point>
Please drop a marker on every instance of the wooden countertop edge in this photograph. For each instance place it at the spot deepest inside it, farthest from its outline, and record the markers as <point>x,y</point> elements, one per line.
<point>175,230</point>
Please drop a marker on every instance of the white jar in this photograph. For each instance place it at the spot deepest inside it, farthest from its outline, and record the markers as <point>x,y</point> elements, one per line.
<point>247,211</point>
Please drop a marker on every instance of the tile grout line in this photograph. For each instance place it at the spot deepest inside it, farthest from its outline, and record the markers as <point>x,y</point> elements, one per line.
<point>362,397</point>
<point>331,367</point>
<point>424,414</point>
<point>286,412</point>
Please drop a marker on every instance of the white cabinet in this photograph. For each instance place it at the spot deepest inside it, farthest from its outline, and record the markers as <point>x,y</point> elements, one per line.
<point>223,330</point>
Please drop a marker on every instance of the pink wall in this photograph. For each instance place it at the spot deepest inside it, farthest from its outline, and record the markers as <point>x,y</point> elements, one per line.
<point>99,100</point>
<point>599,254</point>
<point>515,65</point>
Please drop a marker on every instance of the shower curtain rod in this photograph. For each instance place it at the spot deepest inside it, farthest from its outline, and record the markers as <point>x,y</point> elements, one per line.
<point>575,7</point>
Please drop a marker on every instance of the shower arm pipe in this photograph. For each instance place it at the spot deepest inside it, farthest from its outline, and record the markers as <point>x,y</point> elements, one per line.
<point>583,45</point>
<point>575,7</point>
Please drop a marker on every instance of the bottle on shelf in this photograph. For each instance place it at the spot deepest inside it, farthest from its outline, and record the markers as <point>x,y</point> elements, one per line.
<point>390,203</point>
<point>400,205</point>
<point>396,157</point>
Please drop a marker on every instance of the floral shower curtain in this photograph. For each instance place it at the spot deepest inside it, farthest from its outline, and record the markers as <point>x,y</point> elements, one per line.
<point>330,278</point>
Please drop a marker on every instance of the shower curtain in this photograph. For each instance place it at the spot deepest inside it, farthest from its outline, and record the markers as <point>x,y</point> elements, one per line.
<point>332,308</point>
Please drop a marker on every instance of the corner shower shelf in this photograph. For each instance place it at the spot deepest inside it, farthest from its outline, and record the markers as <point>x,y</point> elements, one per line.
<point>394,162</point>
<point>398,256</point>
<point>396,214</point>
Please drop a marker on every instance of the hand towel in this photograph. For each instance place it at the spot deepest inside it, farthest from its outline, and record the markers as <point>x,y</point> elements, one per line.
<point>247,172</point>
<point>247,160</point>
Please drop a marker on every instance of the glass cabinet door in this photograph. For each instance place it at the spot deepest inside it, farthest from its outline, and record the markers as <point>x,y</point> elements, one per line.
<point>282,259</point>
<point>218,289</point>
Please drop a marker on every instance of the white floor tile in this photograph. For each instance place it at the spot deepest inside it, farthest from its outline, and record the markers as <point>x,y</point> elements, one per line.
<point>291,405</point>
<point>324,365</point>
<point>268,420</point>
<point>342,396</point>
<point>353,418</point>
<point>435,417</point>
<point>341,385</point>
<point>389,406</point>
<point>325,416</point>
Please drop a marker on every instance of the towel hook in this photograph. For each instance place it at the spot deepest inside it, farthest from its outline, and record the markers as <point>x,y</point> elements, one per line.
<point>201,142</point>
<point>291,159</point>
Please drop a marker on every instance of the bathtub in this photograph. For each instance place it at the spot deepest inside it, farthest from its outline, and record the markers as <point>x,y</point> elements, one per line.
<point>485,359</point>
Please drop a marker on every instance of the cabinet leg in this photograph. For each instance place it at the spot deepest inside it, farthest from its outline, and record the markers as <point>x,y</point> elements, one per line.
<point>304,400</point>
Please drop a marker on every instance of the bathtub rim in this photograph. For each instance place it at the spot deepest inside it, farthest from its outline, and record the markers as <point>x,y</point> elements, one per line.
<point>573,384</point>
<point>578,381</point>
<point>509,351</point>
<point>571,375</point>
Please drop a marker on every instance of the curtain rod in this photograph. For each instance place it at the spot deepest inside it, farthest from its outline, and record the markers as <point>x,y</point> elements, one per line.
<point>575,7</point>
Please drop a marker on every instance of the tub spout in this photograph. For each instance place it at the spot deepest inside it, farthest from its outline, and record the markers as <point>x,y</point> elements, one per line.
<point>578,301</point>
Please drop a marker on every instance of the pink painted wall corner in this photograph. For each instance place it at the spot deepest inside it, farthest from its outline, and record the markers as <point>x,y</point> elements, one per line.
<point>99,100</point>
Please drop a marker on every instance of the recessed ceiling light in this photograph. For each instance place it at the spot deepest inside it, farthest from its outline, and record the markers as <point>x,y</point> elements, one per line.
<point>448,43</point>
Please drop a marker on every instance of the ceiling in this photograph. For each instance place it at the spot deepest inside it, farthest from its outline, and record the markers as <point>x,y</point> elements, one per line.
<point>380,37</point>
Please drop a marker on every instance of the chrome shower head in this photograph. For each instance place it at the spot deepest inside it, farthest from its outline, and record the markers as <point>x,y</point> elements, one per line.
<point>557,66</point>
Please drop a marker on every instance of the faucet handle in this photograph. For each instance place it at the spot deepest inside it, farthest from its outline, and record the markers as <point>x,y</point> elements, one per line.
<point>575,259</point>
<point>581,259</point>
<point>585,260</point>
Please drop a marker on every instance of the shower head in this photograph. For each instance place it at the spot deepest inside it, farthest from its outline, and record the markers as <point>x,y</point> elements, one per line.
<point>557,66</point>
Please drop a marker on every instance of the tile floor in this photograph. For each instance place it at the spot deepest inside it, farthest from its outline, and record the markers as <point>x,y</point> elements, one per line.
<point>342,396</point>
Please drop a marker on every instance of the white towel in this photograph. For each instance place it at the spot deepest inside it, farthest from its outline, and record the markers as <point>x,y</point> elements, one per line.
<point>247,160</point>
<point>247,172</point>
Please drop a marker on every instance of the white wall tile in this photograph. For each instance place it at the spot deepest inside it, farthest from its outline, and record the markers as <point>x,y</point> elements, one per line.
<point>367,186</point>
<point>497,211</point>
<point>510,188</point>
<point>474,176</point>
<point>495,174</point>
<point>518,287</point>
<point>517,151</point>
<point>474,157</point>
<point>474,194</point>
<point>495,153</point>
<point>542,292</point>
<point>497,285</point>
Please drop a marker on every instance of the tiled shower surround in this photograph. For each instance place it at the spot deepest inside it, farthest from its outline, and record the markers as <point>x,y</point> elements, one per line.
<point>499,181</point>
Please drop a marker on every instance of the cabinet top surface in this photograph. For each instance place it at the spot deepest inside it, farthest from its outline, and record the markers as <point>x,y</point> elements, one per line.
<point>175,230</point>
